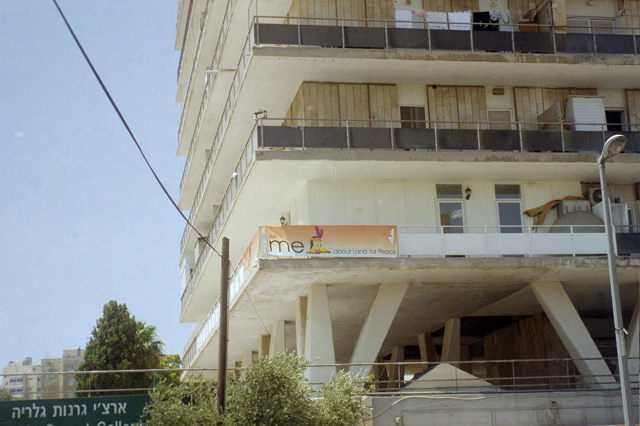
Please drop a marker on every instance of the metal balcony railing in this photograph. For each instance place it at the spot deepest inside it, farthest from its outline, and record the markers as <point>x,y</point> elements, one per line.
<point>392,34</point>
<point>244,164</point>
<point>441,135</point>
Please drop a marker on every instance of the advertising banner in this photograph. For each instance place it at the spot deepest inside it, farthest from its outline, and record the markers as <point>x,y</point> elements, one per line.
<point>332,241</point>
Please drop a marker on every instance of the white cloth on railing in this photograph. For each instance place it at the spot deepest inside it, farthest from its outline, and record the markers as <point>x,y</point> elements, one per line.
<point>460,21</point>
<point>403,19</point>
<point>505,21</point>
<point>435,20</point>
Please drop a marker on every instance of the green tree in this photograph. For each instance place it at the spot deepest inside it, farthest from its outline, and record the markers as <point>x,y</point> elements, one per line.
<point>183,404</point>
<point>5,395</point>
<point>119,342</point>
<point>172,364</point>
<point>269,392</point>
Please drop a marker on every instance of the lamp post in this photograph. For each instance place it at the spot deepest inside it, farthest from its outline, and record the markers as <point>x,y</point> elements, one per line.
<point>613,146</point>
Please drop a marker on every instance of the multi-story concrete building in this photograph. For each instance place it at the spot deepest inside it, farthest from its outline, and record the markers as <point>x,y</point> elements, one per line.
<point>55,384</point>
<point>22,379</point>
<point>415,181</point>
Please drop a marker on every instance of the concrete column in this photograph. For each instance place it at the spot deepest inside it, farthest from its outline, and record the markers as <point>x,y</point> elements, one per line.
<point>248,357</point>
<point>319,336</point>
<point>428,352</point>
<point>301,324</point>
<point>283,338</point>
<point>277,344</point>
<point>396,372</point>
<point>263,346</point>
<point>376,326</point>
<point>633,343</point>
<point>451,341</point>
<point>573,334</point>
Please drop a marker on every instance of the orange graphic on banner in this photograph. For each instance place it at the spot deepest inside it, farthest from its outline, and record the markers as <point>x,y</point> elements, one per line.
<point>332,241</point>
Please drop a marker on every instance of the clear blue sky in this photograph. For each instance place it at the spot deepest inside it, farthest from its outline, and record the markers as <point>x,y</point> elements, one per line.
<point>82,221</point>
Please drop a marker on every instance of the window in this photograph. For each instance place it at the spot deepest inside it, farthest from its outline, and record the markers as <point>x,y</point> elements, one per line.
<point>509,208</point>
<point>615,119</point>
<point>450,211</point>
<point>413,117</point>
<point>586,25</point>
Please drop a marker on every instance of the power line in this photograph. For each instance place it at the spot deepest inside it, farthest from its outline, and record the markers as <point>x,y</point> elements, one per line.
<point>126,125</point>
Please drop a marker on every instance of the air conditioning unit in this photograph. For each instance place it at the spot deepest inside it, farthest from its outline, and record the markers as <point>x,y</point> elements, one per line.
<point>619,215</point>
<point>595,195</point>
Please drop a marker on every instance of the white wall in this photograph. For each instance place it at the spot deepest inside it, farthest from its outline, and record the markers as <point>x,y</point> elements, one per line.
<point>411,202</point>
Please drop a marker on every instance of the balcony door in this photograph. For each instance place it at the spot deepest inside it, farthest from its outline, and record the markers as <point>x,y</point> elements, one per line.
<point>450,209</point>
<point>509,208</point>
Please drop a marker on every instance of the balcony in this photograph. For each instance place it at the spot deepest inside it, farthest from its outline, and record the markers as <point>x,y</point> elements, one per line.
<point>417,242</point>
<point>439,138</point>
<point>436,136</point>
<point>372,34</point>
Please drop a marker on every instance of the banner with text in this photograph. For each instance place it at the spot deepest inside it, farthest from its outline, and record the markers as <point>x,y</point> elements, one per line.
<point>332,241</point>
<point>125,410</point>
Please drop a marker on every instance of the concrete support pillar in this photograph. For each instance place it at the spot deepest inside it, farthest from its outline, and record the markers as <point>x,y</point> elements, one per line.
<point>319,336</point>
<point>396,372</point>
<point>277,344</point>
<point>572,332</point>
<point>633,344</point>
<point>428,352</point>
<point>301,324</point>
<point>451,341</point>
<point>263,346</point>
<point>283,338</point>
<point>376,326</point>
<point>248,357</point>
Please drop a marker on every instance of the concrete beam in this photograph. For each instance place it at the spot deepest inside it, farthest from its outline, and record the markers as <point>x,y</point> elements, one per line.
<point>376,326</point>
<point>428,352</point>
<point>319,336</point>
<point>572,332</point>
<point>451,341</point>
<point>301,324</point>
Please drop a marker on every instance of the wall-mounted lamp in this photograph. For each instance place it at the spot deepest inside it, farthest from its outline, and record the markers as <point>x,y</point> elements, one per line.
<point>261,113</point>
<point>467,193</point>
<point>282,220</point>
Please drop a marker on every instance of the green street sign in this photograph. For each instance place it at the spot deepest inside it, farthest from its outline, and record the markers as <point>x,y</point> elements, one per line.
<point>125,410</point>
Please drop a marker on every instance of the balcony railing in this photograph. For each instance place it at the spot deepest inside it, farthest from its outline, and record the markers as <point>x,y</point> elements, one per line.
<point>443,241</point>
<point>390,34</point>
<point>240,172</point>
<point>439,135</point>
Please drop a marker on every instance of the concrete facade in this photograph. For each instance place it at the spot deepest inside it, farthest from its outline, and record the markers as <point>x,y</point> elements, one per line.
<point>401,193</point>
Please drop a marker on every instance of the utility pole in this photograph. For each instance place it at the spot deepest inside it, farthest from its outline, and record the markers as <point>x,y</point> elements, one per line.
<point>224,327</point>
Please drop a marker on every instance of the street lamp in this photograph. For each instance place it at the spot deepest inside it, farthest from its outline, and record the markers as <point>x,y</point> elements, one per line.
<point>613,146</point>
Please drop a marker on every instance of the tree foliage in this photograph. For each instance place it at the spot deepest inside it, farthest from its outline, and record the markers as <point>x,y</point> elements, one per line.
<point>171,363</point>
<point>269,392</point>
<point>5,395</point>
<point>119,342</point>
<point>183,404</point>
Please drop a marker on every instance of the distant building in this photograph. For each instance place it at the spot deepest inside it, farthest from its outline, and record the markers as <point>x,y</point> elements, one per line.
<point>61,385</point>
<point>50,380</point>
<point>22,379</point>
